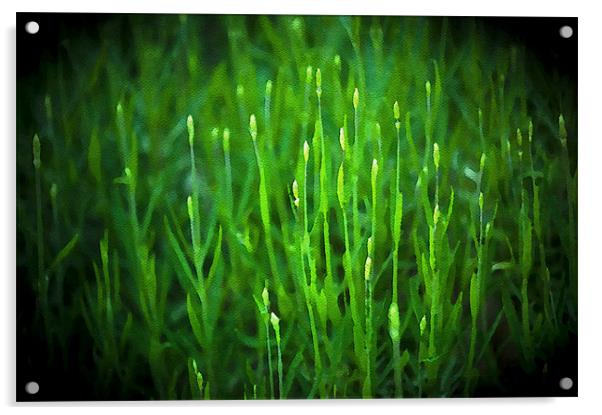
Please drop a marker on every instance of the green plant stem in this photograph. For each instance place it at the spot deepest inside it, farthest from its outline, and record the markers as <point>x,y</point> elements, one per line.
<point>266,318</point>
<point>265,215</point>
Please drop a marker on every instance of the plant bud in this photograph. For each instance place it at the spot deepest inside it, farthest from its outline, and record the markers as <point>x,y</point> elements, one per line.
<point>253,127</point>
<point>481,200</point>
<point>374,171</point>
<point>265,295</point>
<point>190,125</point>
<point>341,186</point>
<point>305,151</point>
<point>275,321</point>
<point>530,131</point>
<point>268,88</point>
<point>519,137</point>
<point>337,62</point>
<point>436,155</point>
<point>436,215</point>
<point>53,193</point>
<point>342,138</point>
<point>422,325</point>
<point>309,73</point>
<point>562,129</point>
<point>226,140</point>
<point>295,189</point>
<point>318,82</point>
<point>370,247</point>
<point>356,99</point>
<point>36,152</point>
<point>240,91</point>
<point>368,268</point>
<point>394,322</point>
<point>396,111</point>
<point>483,158</point>
<point>214,133</point>
<point>190,208</point>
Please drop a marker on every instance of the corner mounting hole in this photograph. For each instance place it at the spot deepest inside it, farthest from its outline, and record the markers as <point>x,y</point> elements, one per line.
<point>566,32</point>
<point>566,383</point>
<point>32,388</point>
<point>32,27</point>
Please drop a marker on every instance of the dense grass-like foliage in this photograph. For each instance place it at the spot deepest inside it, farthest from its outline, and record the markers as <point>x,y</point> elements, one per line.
<point>296,207</point>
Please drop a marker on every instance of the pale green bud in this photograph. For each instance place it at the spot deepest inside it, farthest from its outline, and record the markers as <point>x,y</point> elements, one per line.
<point>36,152</point>
<point>422,325</point>
<point>374,171</point>
<point>190,125</point>
<point>226,140</point>
<point>481,200</point>
<point>337,62</point>
<point>309,73</point>
<point>436,214</point>
<point>483,158</point>
<point>318,82</point>
<point>519,137</point>
<point>295,189</point>
<point>427,86</point>
<point>296,193</point>
<point>214,133</point>
<point>396,113</point>
<point>305,151</point>
<point>268,88</point>
<point>276,325</point>
<point>436,155</point>
<point>342,138</point>
<point>240,91</point>
<point>562,129</point>
<point>394,322</point>
<point>530,131</point>
<point>275,321</point>
<point>341,186</point>
<point>190,208</point>
<point>53,192</point>
<point>297,24</point>
<point>368,269</point>
<point>265,296</point>
<point>370,245</point>
<point>356,99</point>
<point>253,127</point>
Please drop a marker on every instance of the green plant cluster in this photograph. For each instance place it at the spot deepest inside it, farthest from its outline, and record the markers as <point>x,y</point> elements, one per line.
<point>298,207</point>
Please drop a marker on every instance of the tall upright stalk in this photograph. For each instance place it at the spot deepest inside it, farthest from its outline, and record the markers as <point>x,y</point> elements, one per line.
<point>264,206</point>
<point>276,326</point>
<point>343,193</point>
<point>265,296</point>
<point>324,184</point>
<point>394,325</point>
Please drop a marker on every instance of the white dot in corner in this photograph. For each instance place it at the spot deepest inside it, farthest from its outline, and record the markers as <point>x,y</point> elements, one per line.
<point>32,27</point>
<point>566,32</point>
<point>32,388</point>
<point>566,383</point>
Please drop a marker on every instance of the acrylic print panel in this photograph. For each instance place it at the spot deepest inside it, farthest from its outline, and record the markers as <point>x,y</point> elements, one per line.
<point>276,207</point>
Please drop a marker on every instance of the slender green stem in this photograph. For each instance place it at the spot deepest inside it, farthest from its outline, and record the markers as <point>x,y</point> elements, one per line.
<point>276,325</point>
<point>264,206</point>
